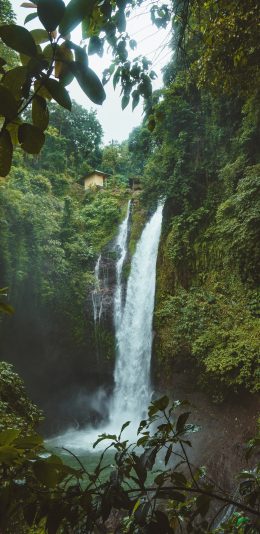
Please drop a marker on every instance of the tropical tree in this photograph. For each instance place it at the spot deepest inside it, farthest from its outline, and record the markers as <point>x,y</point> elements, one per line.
<point>227,55</point>
<point>45,70</point>
<point>82,131</point>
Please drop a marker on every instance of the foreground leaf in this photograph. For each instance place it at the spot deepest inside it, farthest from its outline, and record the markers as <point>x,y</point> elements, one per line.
<point>31,138</point>
<point>40,113</point>
<point>46,473</point>
<point>58,93</point>
<point>6,308</point>
<point>40,36</point>
<point>14,80</point>
<point>64,58</point>
<point>180,425</point>
<point>90,83</point>
<point>8,454</point>
<point>30,17</point>
<point>50,13</point>
<point>75,12</point>
<point>19,39</point>
<point>8,104</point>
<point>8,436</point>
<point>6,154</point>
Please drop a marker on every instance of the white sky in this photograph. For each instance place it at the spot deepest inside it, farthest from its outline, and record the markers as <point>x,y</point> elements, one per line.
<point>151,42</point>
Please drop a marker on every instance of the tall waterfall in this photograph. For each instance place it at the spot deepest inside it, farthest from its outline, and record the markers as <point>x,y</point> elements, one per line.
<point>134,327</point>
<point>133,324</point>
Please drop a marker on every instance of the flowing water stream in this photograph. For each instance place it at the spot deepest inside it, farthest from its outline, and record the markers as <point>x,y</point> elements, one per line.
<point>97,300</point>
<point>121,249</point>
<point>133,316</point>
<point>134,328</point>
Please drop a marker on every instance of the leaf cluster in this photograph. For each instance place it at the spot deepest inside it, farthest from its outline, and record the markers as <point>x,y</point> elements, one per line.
<point>46,69</point>
<point>57,497</point>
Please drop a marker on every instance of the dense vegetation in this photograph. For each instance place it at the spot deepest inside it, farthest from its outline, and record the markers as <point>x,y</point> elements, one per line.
<point>40,493</point>
<point>203,158</point>
<point>51,234</point>
<point>210,252</point>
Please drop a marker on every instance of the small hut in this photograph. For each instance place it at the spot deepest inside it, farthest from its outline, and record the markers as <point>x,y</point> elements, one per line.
<point>95,178</point>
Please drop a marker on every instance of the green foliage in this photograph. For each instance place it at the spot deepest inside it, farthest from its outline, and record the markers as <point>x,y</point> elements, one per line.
<point>4,306</point>
<point>64,60</point>
<point>203,158</point>
<point>17,412</point>
<point>39,491</point>
<point>220,46</point>
<point>57,238</point>
<point>115,159</point>
<point>74,141</point>
<point>211,326</point>
<point>237,222</point>
<point>6,12</point>
<point>52,232</point>
<point>7,16</point>
<point>218,43</point>
<point>138,218</point>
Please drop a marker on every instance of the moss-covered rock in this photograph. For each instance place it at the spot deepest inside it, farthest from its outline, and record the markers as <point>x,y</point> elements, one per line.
<point>16,409</point>
<point>207,309</point>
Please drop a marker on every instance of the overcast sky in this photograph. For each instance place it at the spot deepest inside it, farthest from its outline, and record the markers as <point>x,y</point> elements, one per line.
<point>153,43</point>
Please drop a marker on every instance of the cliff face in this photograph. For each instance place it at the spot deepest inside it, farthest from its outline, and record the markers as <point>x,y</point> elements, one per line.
<point>99,311</point>
<point>206,313</point>
<point>100,295</point>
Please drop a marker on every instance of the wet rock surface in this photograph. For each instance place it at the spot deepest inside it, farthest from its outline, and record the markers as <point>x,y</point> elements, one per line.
<point>224,429</point>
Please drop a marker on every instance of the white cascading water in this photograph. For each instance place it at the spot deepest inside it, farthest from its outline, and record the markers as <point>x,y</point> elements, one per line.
<point>134,329</point>
<point>96,294</point>
<point>121,248</point>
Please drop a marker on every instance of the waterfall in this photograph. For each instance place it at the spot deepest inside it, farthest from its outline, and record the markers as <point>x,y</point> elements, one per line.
<point>133,316</point>
<point>121,248</point>
<point>96,294</point>
<point>134,327</point>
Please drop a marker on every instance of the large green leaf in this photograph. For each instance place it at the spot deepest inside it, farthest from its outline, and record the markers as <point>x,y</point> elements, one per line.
<point>58,93</point>
<point>50,13</point>
<point>96,46</point>
<point>46,473</point>
<point>14,80</point>
<point>8,104</point>
<point>8,454</point>
<point>80,53</point>
<point>41,90</point>
<point>40,113</point>
<point>28,442</point>
<point>48,52</point>
<point>8,436</point>
<point>158,405</point>
<point>31,138</point>
<point>29,511</point>
<point>75,12</point>
<point>125,101</point>
<point>64,57</point>
<point>19,39</point>
<point>182,419</point>
<point>90,83</point>
<point>30,17</point>
<point>40,36</point>
<point>6,153</point>
<point>4,307</point>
